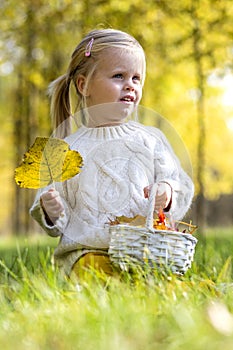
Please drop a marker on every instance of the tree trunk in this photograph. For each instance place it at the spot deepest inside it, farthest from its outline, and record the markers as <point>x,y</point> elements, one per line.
<point>200,204</point>
<point>25,115</point>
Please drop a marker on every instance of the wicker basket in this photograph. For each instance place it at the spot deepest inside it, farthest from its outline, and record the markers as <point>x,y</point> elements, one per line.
<point>131,245</point>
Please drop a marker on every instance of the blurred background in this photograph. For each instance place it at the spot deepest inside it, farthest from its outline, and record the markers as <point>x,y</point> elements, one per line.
<point>189,49</point>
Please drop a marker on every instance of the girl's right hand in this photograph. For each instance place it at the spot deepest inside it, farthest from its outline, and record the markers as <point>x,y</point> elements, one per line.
<point>163,197</point>
<point>52,204</point>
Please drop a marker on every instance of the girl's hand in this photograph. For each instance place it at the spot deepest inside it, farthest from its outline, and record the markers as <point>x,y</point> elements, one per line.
<point>163,196</point>
<point>52,204</point>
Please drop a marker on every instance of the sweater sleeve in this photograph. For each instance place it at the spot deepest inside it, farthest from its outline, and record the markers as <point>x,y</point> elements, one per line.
<point>169,170</point>
<point>38,215</point>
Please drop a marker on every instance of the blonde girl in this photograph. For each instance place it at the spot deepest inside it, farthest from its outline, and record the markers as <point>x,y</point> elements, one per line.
<point>122,158</point>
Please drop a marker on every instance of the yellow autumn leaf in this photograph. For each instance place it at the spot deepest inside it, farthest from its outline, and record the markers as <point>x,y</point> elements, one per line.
<point>137,220</point>
<point>47,160</point>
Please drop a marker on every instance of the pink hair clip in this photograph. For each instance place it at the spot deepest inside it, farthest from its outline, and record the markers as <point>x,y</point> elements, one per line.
<point>89,47</point>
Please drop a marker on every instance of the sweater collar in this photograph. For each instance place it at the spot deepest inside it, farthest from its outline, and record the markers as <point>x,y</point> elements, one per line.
<point>110,132</point>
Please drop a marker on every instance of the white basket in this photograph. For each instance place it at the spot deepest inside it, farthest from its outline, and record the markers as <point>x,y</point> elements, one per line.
<point>132,245</point>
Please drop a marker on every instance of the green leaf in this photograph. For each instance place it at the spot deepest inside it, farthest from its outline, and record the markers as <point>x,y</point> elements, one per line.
<point>47,160</point>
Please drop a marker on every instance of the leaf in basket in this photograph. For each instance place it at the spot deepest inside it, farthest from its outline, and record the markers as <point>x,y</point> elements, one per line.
<point>186,228</point>
<point>160,226</point>
<point>47,160</point>
<point>137,220</point>
<point>161,216</point>
<point>160,223</point>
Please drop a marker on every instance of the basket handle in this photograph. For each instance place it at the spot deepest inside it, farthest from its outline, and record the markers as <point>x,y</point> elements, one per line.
<point>151,206</point>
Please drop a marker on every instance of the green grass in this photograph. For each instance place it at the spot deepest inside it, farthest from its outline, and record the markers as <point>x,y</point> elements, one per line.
<point>41,310</point>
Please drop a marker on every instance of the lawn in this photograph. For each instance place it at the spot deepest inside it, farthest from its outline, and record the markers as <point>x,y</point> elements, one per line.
<point>41,310</point>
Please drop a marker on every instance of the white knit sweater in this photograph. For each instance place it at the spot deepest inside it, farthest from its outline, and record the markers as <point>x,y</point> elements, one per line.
<point>119,161</point>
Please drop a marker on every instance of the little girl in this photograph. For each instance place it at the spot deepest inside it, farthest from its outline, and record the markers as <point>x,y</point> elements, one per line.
<point>122,158</point>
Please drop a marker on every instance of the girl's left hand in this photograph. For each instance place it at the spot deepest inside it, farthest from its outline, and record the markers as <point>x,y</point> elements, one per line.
<point>163,196</point>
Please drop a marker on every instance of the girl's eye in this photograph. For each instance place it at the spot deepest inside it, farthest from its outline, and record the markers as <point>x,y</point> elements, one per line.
<point>137,78</point>
<point>118,76</point>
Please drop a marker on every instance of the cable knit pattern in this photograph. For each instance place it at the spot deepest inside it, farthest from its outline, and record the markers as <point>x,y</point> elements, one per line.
<point>119,161</point>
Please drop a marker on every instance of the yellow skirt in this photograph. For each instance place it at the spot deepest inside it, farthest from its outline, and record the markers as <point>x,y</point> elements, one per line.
<point>90,262</point>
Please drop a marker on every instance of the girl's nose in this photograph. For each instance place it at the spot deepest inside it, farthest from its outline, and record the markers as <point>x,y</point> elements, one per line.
<point>129,86</point>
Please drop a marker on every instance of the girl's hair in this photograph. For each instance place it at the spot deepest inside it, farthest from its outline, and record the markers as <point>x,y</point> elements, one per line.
<point>82,63</point>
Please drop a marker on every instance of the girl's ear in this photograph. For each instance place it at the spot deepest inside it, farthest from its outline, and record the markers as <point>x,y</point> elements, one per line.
<point>81,84</point>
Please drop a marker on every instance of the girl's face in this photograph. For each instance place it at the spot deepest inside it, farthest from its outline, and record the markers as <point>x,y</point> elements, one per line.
<point>117,81</point>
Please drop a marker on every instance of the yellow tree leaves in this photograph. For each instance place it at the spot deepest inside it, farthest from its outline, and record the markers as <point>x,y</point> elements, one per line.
<point>47,160</point>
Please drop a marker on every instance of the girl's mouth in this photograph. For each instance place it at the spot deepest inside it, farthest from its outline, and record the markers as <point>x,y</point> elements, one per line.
<point>127,98</point>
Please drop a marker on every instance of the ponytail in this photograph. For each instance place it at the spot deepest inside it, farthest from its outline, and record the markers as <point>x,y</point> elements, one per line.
<point>60,105</point>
